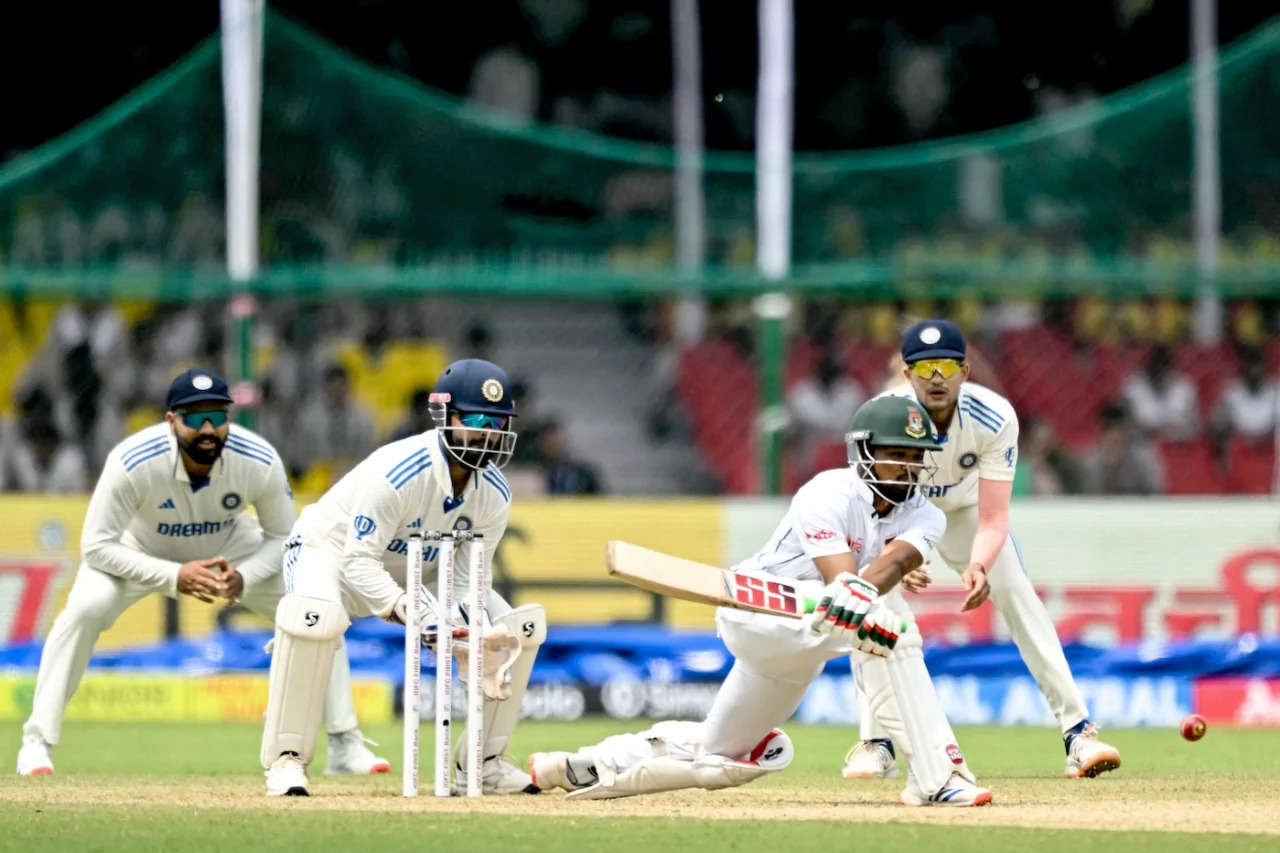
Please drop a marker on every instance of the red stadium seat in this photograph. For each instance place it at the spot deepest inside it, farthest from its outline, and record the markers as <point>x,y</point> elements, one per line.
<point>1190,468</point>
<point>869,364</point>
<point>718,386</point>
<point>802,360</point>
<point>1252,465</point>
<point>1210,368</point>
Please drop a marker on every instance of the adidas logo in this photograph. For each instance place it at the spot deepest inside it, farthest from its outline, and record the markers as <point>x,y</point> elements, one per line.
<point>168,504</point>
<point>417,522</point>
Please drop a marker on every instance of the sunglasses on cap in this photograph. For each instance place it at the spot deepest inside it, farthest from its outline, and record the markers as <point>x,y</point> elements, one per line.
<point>479,420</point>
<point>925,368</point>
<point>196,420</point>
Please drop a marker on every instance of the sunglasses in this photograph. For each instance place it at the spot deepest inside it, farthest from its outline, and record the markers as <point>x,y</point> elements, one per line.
<point>195,420</point>
<point>925,369</point>
<point>478,420</point>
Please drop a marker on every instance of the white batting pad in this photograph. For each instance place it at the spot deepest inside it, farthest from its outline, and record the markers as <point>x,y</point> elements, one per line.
<point>901,695</point>
<point>308,632</point>
<point>648,763</point>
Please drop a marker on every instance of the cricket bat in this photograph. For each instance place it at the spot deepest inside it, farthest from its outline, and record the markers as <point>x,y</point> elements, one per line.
<point>692,581</point>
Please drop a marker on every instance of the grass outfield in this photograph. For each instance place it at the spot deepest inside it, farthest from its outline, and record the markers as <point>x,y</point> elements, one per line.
<point>188,787</point>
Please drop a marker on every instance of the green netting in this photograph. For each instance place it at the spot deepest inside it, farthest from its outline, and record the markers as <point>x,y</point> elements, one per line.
<point>371,182</point>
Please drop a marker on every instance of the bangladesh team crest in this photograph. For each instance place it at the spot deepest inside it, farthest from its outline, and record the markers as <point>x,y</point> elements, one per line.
<point>915,424</point>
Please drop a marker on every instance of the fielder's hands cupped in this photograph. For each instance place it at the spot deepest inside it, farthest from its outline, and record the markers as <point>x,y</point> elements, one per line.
<point>204,579</point>
<point>975,582</point>
<point>234,583</point>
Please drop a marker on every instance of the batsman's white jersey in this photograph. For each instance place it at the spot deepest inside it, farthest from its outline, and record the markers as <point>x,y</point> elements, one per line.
<point>145,519</point>
<point>776,659</point>
<point>833,514</point>
<point>982,441</point>
<point>357,534</point>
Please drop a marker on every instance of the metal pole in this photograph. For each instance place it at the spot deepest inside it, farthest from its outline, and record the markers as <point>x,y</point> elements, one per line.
<point>242,34</point>
<point>690,207</point>
<point>1207,213</point>
<point>774,117</point>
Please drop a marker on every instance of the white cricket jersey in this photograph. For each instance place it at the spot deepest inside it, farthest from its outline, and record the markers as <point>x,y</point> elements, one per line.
<point>146,519</point>
<point>401,489</point>
<point>833,514</point>
<point>982,441</point>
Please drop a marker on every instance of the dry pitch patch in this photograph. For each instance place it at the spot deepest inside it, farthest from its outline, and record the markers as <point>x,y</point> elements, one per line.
<point>1213,803</point>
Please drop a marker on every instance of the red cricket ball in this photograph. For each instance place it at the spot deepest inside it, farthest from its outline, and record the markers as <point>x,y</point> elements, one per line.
<point>1193,727</point>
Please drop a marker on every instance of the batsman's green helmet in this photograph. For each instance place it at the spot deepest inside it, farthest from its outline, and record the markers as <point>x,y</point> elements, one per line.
<point>893,422</point>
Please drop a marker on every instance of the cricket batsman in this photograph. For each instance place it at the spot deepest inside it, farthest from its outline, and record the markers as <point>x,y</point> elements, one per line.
<point>850,535</point>
<point>346,558</point>
<point>972,484</point>
<point>168,516</point>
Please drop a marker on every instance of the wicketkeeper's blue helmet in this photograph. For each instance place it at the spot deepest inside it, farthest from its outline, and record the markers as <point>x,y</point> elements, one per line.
<point>479,392</point>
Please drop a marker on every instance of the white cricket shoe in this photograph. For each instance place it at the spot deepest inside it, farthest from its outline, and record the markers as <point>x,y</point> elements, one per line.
<point>500,775</point>
<point>348,755</point>
<point>549,770</point>
<point>870,759</point>
<point>287,778</point>
<point>958,791</point>
<point>34,758</point>
<point>1088,756</point>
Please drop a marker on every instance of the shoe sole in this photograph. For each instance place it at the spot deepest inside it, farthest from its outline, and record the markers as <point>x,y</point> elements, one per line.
<point>983,799</point>
<point>1101,764</point>
<point>533,775</point>
<point>39,771</point>
<point>384,767</point>
<point>868,774</point>
<point>295,791</point>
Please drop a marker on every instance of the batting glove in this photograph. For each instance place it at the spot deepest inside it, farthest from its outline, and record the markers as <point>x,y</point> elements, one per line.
<point>843,605</point>
<point>879,631</point>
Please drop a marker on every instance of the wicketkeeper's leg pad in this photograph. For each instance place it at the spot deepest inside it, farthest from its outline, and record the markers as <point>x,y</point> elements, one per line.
<point>308,632</point>
<point>528,624</point>
<point>673,765</point>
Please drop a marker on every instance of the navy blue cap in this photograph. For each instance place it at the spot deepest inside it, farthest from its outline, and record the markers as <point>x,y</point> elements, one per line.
<point>476,385</point>
<point>933,339</point>
<point>196,386</point>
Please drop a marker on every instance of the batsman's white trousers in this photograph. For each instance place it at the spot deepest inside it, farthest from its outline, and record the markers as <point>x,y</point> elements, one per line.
<point>1029,624</point>
<point>97,599</point>
<point>776,659</point>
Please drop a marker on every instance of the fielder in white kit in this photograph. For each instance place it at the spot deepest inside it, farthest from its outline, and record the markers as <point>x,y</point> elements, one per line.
<point>346,557</point>
<point>168,516</point>
<point>851,534</point>
<point>972,484</point>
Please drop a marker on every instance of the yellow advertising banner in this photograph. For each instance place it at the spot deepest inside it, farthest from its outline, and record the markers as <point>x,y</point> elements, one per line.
<point>553,554</point>
<point>551,544</point>
<point>112,697</point>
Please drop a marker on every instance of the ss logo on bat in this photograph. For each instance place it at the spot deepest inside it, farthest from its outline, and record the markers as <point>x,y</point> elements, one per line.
<point>758,592</point>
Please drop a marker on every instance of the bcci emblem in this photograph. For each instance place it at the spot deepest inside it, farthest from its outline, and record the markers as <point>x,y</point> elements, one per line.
<point>492,390</point>
<point>915,424</point>
<point>463,523</point>
<point>968,460</point>
<point>230,500</point>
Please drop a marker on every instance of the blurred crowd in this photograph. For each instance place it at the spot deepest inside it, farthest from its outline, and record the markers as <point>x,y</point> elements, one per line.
<point>97,377</point>
<point>1113,396</point>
